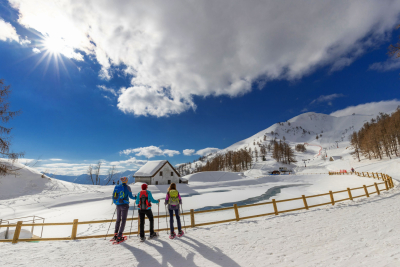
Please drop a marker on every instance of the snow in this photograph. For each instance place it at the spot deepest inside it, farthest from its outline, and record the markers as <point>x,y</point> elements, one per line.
<point>362,232</point>
<point>150,168</point>
<point>212,177</point>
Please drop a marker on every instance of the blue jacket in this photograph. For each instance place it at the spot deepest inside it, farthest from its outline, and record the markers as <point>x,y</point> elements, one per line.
<point>127,189</point>
<point>150,198</point>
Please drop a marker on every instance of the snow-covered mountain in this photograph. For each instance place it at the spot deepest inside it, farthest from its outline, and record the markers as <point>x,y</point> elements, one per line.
<point>332,132</point>
<point>84,179</point>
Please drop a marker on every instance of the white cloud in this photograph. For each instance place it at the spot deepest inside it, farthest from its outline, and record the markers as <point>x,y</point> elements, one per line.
<point>391,64</point>
<point>372,108</point>
<point>150,152</point>
<point>55,159</point>
<point>109,90</point>
<point>7,32</point>
<point>177,50</point>
<point>206,151</point>
<point>326,98</point>
<point>36,50</point>
<point>188,152</point>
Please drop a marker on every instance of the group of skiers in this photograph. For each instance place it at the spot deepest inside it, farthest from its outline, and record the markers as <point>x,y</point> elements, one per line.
<point>121,196</point>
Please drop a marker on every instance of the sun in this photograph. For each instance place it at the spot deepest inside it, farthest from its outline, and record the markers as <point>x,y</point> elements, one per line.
<point>54,45</point>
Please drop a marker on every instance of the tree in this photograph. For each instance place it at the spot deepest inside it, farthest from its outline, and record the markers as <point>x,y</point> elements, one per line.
<point>94,173</point>
<point>111,174</point>
<point>300,148</point>
<point>5,139</point>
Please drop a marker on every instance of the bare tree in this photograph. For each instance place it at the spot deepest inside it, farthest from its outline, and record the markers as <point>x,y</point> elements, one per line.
<point>5,140</point>
<point>111,174</point>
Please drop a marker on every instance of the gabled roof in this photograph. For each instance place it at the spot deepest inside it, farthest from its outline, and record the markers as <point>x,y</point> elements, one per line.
<point>152,167</point>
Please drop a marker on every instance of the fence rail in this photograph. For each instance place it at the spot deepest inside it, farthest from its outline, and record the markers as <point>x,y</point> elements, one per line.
<point>387,181</point>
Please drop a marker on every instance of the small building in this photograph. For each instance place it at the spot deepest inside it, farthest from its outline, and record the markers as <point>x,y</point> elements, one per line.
<point>333,158</point>
<point>157,172</point>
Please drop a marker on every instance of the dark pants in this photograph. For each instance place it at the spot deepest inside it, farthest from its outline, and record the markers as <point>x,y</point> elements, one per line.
<point>171,220</point>
<point>122,213</point>
<point>149,215</point>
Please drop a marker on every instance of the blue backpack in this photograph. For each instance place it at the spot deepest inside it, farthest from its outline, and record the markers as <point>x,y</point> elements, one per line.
<point>120,195</point>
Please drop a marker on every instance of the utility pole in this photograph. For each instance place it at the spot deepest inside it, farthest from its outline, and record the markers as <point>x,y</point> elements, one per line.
<point>305,163</point>
<point>325,153</point>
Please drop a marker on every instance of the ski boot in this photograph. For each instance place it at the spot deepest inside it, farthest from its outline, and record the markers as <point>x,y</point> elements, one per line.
<point>114,237</point>
<point>153,235</point>
<point>172,235</point>
<point>180,233</point>
<point>142,239</point>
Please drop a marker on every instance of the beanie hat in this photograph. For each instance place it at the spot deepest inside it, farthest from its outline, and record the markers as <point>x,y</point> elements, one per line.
<point>124,180</point>
<point>144,186</point>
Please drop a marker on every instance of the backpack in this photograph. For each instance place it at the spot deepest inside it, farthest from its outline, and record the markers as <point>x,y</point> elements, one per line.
<point>120,196</point>
<point>144,203</point>
<point>173,197</point>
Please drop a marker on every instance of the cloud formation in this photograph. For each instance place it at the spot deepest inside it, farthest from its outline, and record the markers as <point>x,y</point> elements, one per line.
<point>106,89</point>
<point>188,152</point>
<point>206,151</point>
<point>36,50</point>
<point>176,50</point>
<point>7,32</point>
<point>391,64</point>
<point>372,108</point>
<point>150,152</point>
<point>326,98</point>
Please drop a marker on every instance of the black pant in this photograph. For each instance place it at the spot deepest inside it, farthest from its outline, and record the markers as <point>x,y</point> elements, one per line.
<point>122,213</point>
<point>149,215</point>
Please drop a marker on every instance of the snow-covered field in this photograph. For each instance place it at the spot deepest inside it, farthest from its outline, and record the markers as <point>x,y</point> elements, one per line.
<point>363,232</point>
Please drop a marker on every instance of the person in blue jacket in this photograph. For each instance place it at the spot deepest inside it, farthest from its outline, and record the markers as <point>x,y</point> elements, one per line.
<point>143,201</point>
<point>121,196</point>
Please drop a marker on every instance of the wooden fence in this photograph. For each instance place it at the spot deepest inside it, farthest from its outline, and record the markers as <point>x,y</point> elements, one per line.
<point>387,181</point>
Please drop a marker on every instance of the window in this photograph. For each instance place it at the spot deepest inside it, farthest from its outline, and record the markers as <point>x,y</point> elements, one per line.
<point>160,173</point>
<point>169,181</point>
<point>156,182</point>
<point>172,174</point>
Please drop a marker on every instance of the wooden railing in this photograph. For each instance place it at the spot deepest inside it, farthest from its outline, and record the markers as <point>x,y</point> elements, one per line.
<point>387,181</point>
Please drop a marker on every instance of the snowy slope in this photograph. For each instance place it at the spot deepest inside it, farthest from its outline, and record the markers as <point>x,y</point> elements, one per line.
<point>363,233</point>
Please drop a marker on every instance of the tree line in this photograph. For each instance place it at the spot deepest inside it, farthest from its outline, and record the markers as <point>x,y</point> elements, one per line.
<point>378,138</point>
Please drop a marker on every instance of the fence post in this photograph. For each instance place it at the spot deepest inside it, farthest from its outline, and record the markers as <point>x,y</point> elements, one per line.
<point>391,181</point>
<point>366,190</point>
<point>138,224</point>
<point>386,184</point>
<point>33,221</point>
<point>192,217</point>
<point>333,200</point>
<point>377,189</point>
<point>17,232</point>
<point>349,191</point>
<point>275,207</point>
<point>373,175</point>
<point>305,201</point>
<point>236,212</point>
<point>74,229</point>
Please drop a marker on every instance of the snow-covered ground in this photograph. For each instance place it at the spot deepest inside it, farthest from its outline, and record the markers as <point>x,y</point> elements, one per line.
<point>363,232</point>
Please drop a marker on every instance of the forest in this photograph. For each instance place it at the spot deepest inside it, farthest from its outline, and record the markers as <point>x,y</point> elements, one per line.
<point>378,138</point>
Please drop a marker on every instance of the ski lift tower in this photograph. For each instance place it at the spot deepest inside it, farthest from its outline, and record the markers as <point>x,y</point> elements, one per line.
<point>337,144</point>
<point>305,163</point>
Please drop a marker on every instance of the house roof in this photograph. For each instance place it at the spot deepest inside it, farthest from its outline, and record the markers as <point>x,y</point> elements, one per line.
<point>150,168</point>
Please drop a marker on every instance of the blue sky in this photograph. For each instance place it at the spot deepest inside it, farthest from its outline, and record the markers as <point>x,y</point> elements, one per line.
<point>178,95</point>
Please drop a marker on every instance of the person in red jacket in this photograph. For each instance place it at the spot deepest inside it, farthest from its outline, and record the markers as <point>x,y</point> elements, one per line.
<point>143,201</point>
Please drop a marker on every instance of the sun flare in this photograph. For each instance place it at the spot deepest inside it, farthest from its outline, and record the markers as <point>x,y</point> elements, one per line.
<point>54,45</point>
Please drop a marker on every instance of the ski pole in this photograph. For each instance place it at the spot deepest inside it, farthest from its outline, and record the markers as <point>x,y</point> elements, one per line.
<point>183,216</point>
<point>166,221</point>
<point>110,223</point>
<point>133,213</point>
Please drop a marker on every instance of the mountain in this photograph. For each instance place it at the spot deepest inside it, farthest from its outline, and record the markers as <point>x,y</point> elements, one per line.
<point>84,179</point>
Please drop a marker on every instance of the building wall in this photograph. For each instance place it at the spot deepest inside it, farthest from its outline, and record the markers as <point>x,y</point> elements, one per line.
<point>166,175</point>
<point>142,180</point>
